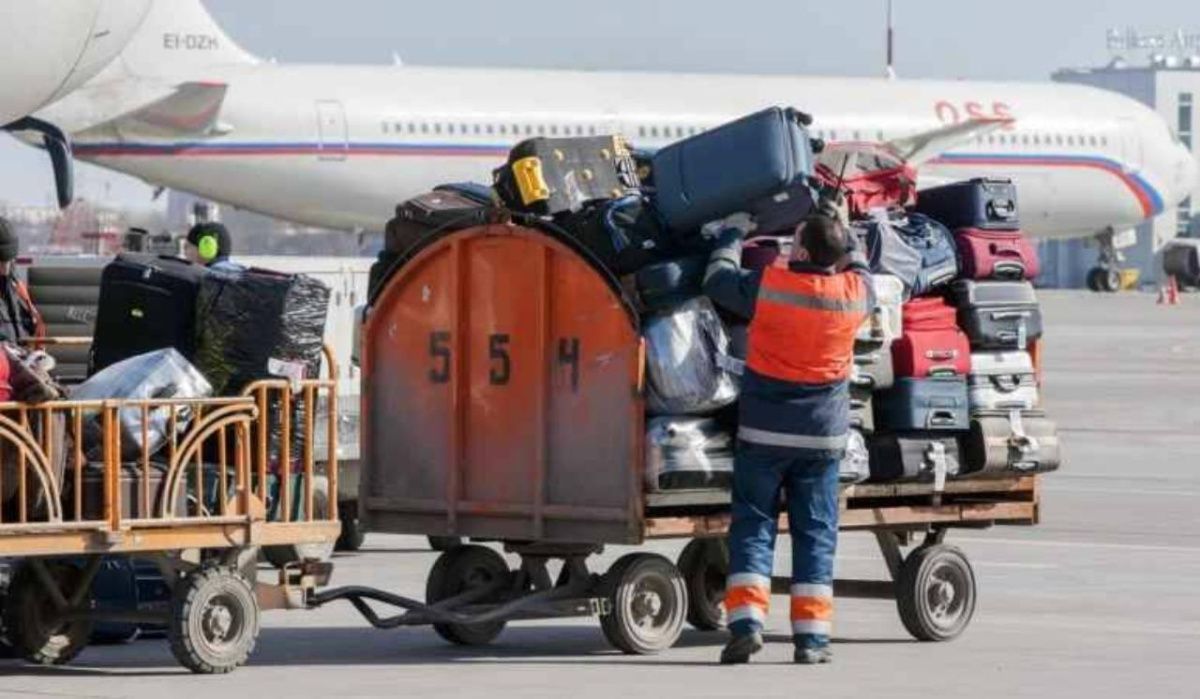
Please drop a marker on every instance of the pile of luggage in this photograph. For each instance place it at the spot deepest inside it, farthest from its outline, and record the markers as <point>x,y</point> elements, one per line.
<point>643,220</point>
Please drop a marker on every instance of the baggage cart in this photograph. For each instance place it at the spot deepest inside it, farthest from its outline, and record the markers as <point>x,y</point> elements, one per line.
<point>503,402</point>
<point>195,485</point>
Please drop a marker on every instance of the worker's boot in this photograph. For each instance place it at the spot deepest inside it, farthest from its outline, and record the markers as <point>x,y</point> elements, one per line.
<point>740,648</point>
<point>819,655</point>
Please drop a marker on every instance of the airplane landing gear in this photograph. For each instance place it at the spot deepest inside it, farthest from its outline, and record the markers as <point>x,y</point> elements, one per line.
<point>1105,277</point>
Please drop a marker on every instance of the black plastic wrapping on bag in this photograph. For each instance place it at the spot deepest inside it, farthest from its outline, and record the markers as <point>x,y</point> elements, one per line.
<point>259,325</point>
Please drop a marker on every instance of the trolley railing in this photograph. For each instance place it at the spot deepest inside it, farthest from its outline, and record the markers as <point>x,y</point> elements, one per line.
<point>116,467</point>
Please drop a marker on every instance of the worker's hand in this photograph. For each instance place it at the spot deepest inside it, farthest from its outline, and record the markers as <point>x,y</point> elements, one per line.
<point>836,207</point>
<point>741,222</point>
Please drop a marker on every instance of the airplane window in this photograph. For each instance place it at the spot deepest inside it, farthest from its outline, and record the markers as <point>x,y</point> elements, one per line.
<point>1037,140</point>
<point>516,129</point>
<point>1058,139</point>
<point>1104,140</point>
<point>385,127</point>
<point>541,129</point>
<point>412,128</point>
<point>833,135</point>
<point>491,129</point>
<point>437,128</point>
<point>879,136</point>
<point>653,132</point>
<point>1070,140</point>
<point>592,130</point>
<point>1025,139</point>
<point>424,127</point>
<point>503,130</point>
<point>857,136</point>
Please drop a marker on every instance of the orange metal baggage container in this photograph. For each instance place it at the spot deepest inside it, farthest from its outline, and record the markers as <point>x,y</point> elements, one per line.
<point>502,395</point>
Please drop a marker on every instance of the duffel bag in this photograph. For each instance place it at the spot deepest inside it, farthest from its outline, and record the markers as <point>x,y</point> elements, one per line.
<point>935,244</point>
<point>887,252</point>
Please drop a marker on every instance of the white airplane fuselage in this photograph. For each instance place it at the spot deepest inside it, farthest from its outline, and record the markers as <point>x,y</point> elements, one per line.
<point>47,49</point>
<point>339,146</point>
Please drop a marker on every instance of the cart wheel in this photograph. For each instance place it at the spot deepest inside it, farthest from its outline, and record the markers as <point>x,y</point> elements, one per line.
<point>935,593</point>
<point>353,533</point>
<point>280,556</point>
<point>444,543</point>
<point>704,564</point>
<point>214,620</point>
<point>649,603</point>
<point>31,621</point>
<point>456,571</point>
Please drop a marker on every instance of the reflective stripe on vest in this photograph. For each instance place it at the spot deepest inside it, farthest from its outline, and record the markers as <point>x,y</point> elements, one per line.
<point>804,325</point>
<point>792,441</point>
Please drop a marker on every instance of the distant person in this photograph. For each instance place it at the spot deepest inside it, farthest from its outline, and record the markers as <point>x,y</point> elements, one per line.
<point>19,318</point>
<point>794,423</point>
<point>211,245</point>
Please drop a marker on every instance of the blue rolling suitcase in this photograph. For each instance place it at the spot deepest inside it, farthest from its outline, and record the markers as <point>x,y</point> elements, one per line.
<point>723,171</point>
<point>939,403</point>
<point>978,203</point>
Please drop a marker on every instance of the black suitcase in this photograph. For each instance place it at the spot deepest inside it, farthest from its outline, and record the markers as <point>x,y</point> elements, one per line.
<point>914,456</point>
<point>551,176</point>
<point>625,233</point>
<point>998,315</point>
<point>147,303</point>
<point>1011,442</point>
<point>938,403</point>
<point>447,208</point>
<point>978,203</point>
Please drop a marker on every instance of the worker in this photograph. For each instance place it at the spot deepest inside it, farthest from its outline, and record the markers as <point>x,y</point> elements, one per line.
<point>794,422</point>
<point>211,245</point>
<point>19,317</point>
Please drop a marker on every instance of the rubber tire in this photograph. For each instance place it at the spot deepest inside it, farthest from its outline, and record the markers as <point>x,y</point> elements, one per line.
<point>703,563</point>
<point>444,543</point>
<point>620,587</point>
<point>456,571</point>
<point>24,622</point>
<point>354,534</point>
<point>188,605</point>
<point>1104,281</point>
<point>280,556</point>
<point>912,592</point>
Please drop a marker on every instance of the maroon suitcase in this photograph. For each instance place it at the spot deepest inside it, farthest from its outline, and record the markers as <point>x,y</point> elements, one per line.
<point>763,252</point>
<point>986,254</point>
<point>932,343</point>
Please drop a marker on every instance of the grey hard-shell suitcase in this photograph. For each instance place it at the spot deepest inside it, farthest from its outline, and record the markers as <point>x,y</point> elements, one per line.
<point>937,403</point>
<point>873,367</point>
<point>998,315</point>
<point>862,409</point>
<point>1008,442</point>
<point>1003,380</point>
<point>916,456</point>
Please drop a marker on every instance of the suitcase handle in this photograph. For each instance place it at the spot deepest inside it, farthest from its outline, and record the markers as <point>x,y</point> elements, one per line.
<point>941,418</point>
<point>1002,209</point>
<point>945,354</point>
<point>1010,315</point>
<point>1009,270</point>
<point>1006,383</point>
<point>944,370</point>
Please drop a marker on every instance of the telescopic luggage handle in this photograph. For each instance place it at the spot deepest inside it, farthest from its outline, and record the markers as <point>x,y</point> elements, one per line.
<point>941,418</point>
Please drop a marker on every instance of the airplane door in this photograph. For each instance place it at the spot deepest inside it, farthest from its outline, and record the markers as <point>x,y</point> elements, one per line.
<point>333,137</point>
<point>1131,146</point>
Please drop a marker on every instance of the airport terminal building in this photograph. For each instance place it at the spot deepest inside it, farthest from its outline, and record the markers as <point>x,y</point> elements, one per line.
<point>1169,82</point>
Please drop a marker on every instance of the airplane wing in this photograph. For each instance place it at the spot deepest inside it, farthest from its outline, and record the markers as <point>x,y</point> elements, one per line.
<point>923,147</point>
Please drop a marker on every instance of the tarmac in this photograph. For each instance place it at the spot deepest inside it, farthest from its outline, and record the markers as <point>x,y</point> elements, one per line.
<point>1100,600</point>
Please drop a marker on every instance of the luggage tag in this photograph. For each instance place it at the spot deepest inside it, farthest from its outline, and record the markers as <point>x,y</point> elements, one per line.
<point>292,371</point>
<point>731,365</point>
<point>935,455</point>
<point>1026,447</point>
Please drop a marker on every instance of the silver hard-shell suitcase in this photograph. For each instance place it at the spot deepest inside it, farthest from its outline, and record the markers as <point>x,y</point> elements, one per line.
<point>1011,442</point>
<point>1003,380</point>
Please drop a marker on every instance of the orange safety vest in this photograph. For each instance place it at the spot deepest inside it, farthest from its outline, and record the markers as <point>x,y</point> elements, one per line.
<point>804,326</point>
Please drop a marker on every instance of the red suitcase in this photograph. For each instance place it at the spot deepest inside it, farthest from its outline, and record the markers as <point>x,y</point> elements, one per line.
<point>986,254</point>
<point>932,343</point>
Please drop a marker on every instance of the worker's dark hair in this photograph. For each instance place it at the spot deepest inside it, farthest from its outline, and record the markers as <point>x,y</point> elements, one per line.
<point>213,240</point>
<point>824,238</point>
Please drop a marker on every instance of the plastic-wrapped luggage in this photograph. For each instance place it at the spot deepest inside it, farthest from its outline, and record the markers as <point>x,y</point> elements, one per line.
<point>998,315</point>
<point>1002,380</point>
<point>686,349</point>
<point>914,456</point>
<point>1011,442</point>
<point>157,375</point>
<point>935,404</point>
<point>977,203</point>
<point>987,254</point>
<point>856,464</point>
<point>258,325</point>
<point>722,171</point>
<point>552,176</point>
<point>687,454</point>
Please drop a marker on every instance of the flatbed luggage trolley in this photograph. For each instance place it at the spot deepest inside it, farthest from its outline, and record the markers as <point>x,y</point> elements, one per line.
<point>196,485</point>
<point>502,388</point>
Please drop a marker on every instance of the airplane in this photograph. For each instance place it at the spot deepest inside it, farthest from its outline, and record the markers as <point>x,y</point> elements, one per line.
<point>339,146</point>
<point>48,50</point>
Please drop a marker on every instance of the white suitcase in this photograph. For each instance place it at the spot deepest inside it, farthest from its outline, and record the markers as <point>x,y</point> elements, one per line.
<point>685,453</point>
<point>885,322</point>
<point>1003,380</point>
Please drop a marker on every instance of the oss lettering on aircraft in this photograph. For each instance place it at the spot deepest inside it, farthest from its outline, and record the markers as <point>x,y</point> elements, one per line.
<point>190,42</point>
<point>955,113</point>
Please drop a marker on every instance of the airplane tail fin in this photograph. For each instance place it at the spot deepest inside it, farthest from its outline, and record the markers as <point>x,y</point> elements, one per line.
<point>181,38</point>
